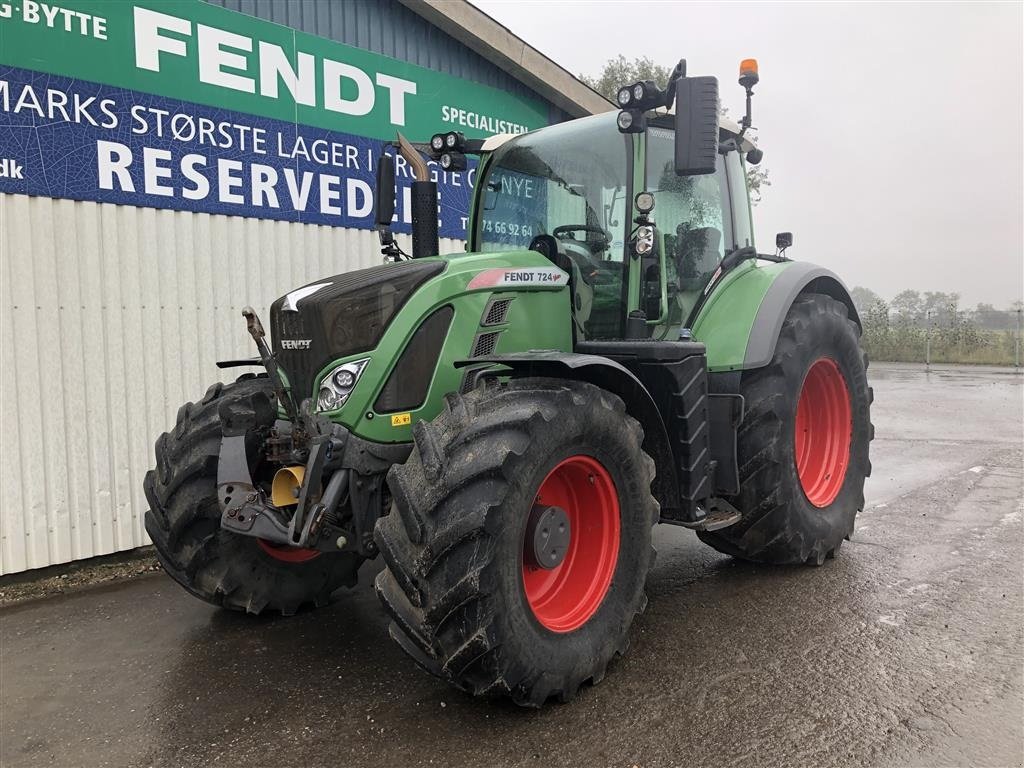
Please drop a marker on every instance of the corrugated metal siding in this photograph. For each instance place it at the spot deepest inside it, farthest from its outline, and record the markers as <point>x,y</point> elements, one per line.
<point>112,317</point>
<point>389,28</point>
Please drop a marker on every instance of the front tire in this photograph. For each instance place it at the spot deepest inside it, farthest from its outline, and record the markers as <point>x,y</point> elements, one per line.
<point>226,569</point>
<point>803,444</point>
<point>462,583</point>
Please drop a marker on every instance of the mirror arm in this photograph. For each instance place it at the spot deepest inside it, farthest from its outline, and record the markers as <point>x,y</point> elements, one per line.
<point>389,247</point>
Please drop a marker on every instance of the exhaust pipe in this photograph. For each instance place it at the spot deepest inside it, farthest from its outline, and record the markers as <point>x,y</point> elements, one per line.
<point>424,202</point>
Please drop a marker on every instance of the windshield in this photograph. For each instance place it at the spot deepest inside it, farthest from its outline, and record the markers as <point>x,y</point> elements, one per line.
<point>571,182</point>
<point>567,180</point>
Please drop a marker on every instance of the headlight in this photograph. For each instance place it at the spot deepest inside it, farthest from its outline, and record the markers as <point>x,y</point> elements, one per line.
<point>625,120</point>
<point>327,400</point>
<point>645,233</point>
<point>344,379</point>
<point>338,384</point>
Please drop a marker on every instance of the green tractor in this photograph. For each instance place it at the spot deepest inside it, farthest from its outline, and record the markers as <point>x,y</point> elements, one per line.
<point>505,426</point>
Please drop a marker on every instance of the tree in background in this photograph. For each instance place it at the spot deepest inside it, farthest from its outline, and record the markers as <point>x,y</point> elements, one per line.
<point>912,324</point>
<point>622,71</point>
<point>941,308</point>
<point>908,305</point>
<point>864,298</point>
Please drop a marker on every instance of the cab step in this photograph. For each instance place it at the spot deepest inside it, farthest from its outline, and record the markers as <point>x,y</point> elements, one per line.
<point>722,515</point>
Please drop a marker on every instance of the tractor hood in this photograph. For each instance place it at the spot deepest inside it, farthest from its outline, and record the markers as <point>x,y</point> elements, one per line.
<point>340,316</point>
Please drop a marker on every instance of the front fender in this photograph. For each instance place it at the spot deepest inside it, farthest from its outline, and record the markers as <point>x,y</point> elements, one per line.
<point>740,322</point>
<point>615,378</point>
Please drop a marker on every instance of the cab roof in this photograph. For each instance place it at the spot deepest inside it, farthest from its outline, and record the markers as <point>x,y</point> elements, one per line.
<point>726,124</point>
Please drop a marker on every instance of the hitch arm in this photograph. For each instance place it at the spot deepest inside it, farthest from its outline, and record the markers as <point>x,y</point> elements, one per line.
<point>284,395</point>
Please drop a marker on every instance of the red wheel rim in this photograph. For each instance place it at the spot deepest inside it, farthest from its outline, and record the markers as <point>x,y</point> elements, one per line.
<point>565,597</point>
<point>288,554</point>
<point>823,431</point>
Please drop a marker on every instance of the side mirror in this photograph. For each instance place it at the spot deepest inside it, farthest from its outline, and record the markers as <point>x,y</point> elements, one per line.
<point>385,195</point>
<point>696,125</point>
<point>783,240</point>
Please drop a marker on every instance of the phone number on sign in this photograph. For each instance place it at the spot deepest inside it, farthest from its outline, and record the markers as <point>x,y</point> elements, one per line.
<point>507,228</point>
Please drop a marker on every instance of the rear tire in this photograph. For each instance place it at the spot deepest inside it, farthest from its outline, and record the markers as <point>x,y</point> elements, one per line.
<point>466,606</point>
<point>226,569</point>
<point>803,443</point>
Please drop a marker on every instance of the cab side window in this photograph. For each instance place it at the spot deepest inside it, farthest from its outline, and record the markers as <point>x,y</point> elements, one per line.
<point>691,211</point>
<point>744,232</point>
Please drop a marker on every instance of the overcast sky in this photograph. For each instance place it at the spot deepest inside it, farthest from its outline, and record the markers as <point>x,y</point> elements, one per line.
<point>892,132</point>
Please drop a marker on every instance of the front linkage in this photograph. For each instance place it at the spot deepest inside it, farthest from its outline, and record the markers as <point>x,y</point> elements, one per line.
<point>308,448</point>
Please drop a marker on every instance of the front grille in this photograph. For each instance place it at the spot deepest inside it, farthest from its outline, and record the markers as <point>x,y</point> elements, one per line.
<point>496,311</point>
<point>407,385</point>
<point>485,344</point>
<point>469,379</point>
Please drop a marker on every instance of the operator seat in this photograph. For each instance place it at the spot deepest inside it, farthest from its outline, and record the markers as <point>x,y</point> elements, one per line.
<point>581,292</point>
<point>697,255</point>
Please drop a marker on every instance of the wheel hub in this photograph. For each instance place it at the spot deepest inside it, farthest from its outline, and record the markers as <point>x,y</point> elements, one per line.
<point>548,533</point>
<point>567,571</point>
<point>823,432</point>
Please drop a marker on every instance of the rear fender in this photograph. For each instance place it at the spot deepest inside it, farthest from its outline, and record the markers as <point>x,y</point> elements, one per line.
<point>741,320</point>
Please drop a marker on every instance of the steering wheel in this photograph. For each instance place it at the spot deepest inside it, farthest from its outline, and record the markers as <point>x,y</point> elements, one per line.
<point>563,231</point>
<point>591,269</point>
<point>590,250</point>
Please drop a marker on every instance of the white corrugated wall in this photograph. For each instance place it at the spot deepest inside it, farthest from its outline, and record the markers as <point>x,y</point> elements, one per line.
<point>112,317</point>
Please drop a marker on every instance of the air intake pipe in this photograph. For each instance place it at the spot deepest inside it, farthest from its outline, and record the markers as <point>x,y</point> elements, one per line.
<point>424,202</point>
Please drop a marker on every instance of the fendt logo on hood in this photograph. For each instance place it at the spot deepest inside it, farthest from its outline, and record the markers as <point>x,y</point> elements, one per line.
<point>296,343</point>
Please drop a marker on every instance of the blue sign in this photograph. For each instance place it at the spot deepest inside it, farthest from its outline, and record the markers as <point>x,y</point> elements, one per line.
<point>68,138</point>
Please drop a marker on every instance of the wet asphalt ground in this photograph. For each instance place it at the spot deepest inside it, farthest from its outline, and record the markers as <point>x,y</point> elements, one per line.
<point>908,649</point>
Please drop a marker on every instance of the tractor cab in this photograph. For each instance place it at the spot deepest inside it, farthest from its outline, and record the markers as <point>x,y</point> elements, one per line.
<point>637,237</point>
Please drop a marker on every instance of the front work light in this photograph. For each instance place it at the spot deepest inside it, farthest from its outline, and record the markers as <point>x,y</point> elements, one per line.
<point>437,142</point>
<point>644,240</point>
<point>631,121</point>
<point>644,202</point>
<point>624,96</point>
<point>455,140</point>
<point>453,161</point>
